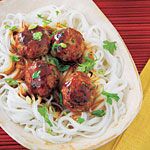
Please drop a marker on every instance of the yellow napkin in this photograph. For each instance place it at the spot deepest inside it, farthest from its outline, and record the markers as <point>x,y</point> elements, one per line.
<point>137,136</point>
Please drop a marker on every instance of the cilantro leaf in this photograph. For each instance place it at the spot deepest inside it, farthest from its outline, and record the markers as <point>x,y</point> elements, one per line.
<point>63,68</point>
<point>98,113</point>
<point>44,113</point>
<point>32,26</point>
<point>80,120</point>
<point>87,66</point>
<point>15,58</point>
<point>52,60</point>
<point>55,61</point>
<point>11,82</point>
<point>110,96</point>
<point>57,12</point>
<point>109,100</point>
<point>60,98</point>
<point>36,74</point>
<point>110,46</point>
<point>45,21</point>
<point>12,28</point>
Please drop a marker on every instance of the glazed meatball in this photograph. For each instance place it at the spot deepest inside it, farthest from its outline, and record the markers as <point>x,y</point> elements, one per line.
<point>41,78</point>
<point>77,92</point>
<point>32,43</point>
<point>68,45</point>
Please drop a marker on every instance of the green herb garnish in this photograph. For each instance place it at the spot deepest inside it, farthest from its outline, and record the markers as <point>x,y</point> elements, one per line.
<point>55,46</point>
<point>52,60</point>
<point>80,120</point>
<point>40,16</point>
<point>87,66</point>
<point>15,58</point>
<point>12,28</point>
<point>36,74</point>
<point>32,26</point>
<point>44,113</point>
<point>110,46</point>
<point>60,98</point>
<point>63,45</point>
<point>53,33</point>
<point>98,113</point>
<point>45,21</point>
<point>101,71</point>
<point>63,68</point>
<point>55,61</point>
<point>110,97</point>
<point>11,82</point>
<point>49,131</point>
<point>37,36</point>
<point>57,12</point>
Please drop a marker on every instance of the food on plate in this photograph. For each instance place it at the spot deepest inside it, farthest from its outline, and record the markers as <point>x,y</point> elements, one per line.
<point>32,42</point>
<point>63,79</point>
<point>77,92</point>
<point>41,78</point>
<point>68,45</point>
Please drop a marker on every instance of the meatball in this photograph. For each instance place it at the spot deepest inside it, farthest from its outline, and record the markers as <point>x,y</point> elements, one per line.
<point>68,45</point>
<point>77,92</point>
<point>41,78</point>
<point>32,43</point>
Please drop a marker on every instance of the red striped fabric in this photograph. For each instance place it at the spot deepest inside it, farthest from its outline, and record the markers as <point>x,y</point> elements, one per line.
<point>132,20</point>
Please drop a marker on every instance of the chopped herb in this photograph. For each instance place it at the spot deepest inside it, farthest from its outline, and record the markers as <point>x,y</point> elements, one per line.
<point>11,82</point>
<point>37,36</point>
<point>12,28</point>
<point>110,46</point>
<point>80,120</point>
<point>7,27</point>
<point>49,131</point>
<point>52,60</point>
<point>15,58</point>
<point>36,74</point>
<point>109,100</point>
<point>99,113</point>
<point>32,26</point>
<point>60,98</point>
<point>40,16</point>
<point>55,46</point>
<point>63,68</point>
<point>44,20</point>
<point>53,33</point>
<point>44,113</point>
<point>72,40</point>
<point>63,45</point>
<point>101,71</point>
<point>57,12</point>
<point>87,66</point>
<point>55,61</point>
<point>110,97</point>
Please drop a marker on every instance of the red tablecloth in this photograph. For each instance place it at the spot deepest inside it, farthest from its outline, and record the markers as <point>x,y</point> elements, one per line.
<point>132,20</point>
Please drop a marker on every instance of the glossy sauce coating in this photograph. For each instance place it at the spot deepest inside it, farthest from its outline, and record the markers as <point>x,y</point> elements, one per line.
<point>47,77</point>
<point>77,92</point>
<point>74,42</point>
<point>27,47</point>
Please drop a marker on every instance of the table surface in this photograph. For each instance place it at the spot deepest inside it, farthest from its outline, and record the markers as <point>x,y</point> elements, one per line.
<point>132,19</point>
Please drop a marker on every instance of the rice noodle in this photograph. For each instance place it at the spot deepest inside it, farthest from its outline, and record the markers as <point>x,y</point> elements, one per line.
<point>28,116</point>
